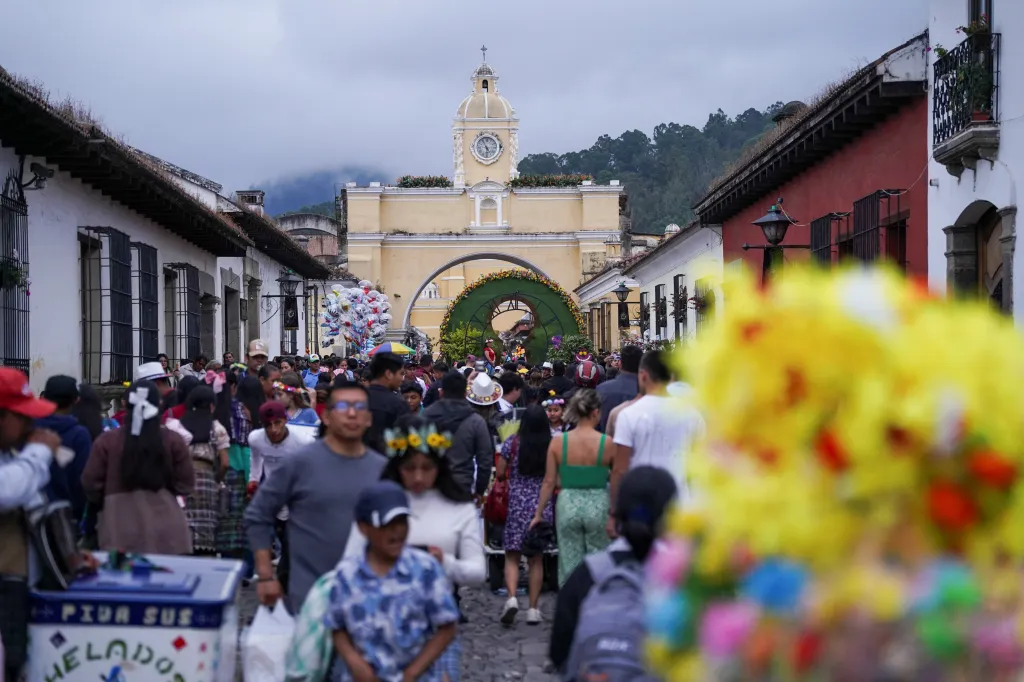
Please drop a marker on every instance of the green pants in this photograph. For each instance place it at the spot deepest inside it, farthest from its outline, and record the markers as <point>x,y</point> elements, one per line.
<point>580,520</point>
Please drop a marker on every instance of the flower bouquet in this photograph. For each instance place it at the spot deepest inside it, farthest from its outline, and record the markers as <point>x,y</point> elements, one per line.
<point>860,505</point>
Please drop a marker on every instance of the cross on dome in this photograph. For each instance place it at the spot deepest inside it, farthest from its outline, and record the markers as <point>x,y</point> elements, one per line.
<point>483,49</point>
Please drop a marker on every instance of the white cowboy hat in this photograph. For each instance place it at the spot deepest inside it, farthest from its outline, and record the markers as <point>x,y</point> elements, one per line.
<point>149,371</point>
<point>484,390</point>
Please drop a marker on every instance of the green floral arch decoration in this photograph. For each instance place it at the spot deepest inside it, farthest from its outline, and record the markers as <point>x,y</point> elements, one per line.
<point>555,312</point>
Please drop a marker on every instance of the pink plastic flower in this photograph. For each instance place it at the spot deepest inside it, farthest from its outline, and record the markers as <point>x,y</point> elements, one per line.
<point>668,562</point>
<point>725,628</point>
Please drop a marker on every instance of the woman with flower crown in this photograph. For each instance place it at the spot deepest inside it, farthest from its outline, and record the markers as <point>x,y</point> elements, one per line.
<point>444,520</point>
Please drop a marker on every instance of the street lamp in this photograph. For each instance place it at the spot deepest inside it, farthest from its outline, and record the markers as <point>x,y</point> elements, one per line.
<point>774,224</point>
<point>289,282</point>
<point>621,292</point>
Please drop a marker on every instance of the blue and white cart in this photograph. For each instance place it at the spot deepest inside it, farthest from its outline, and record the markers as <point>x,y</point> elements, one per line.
<point>176,626</point>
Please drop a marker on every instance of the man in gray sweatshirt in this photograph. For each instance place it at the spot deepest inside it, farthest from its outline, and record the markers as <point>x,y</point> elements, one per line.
<point>320,485</point>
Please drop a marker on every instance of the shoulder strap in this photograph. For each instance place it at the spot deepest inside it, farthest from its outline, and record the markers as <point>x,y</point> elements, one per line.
<point>600,450</point>
<point>565,449</point>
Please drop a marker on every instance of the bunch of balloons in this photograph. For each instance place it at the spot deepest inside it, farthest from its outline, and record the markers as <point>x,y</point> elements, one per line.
<point>360,315</point>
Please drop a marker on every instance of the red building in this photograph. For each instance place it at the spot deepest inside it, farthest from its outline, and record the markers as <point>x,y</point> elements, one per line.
<point>850,168</point>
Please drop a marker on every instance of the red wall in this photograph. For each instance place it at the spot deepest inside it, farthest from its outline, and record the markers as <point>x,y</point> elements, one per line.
<point>891,155</point>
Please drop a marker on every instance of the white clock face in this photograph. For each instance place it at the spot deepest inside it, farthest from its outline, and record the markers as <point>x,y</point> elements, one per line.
<point>486,148</point>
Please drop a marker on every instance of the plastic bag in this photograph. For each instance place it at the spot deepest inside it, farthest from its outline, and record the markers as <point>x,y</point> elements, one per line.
<point>267,644</point>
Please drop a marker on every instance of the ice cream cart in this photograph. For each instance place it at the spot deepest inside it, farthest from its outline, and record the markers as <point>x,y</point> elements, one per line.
<point>175,620</point>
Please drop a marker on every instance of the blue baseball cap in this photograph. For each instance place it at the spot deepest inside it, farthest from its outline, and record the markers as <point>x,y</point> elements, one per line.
<point>382,503</point>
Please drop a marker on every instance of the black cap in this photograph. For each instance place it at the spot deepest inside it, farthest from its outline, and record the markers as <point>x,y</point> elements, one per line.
<point>381,503</point>
<point>61,389</point>
<point>645,494</point>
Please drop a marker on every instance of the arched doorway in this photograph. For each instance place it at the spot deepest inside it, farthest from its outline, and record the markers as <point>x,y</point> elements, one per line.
<point>979,253</point>
<point>483,255</point>
<point>547,310</point>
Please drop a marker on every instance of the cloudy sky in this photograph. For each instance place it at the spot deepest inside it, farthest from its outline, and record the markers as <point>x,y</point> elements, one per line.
<point>245,91</point>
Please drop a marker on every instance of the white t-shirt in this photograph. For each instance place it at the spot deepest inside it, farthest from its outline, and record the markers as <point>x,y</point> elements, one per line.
<point>265,457</point>
<point>452,527</point>
<point>661,431</point>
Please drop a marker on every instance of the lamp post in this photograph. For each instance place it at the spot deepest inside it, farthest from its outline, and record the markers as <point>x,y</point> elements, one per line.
<point>774,224</point>
<point>289,282</point>
<point>621,292</point>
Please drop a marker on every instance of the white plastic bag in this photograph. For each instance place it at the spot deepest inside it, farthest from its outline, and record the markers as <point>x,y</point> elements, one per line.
<point>267,644</point>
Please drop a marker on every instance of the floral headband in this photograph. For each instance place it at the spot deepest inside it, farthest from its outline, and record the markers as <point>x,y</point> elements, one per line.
<point>553,400</point>
<point>285,388</point>
<point>399,441</point>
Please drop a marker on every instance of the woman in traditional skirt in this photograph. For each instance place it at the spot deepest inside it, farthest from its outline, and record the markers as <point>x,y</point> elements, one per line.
<point>241,410</point>
<point>208,445</point>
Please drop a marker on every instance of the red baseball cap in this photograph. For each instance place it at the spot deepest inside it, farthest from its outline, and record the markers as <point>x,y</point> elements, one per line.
<point>16,396</point>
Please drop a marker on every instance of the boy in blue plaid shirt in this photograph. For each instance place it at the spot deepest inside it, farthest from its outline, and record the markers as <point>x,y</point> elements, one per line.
<point>391,610</point>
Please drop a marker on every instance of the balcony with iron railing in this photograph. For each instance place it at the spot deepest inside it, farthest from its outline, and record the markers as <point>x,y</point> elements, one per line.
<point>965,104</point>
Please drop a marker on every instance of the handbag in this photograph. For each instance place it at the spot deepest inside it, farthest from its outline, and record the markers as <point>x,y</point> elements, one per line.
<point>51,526</point>
<point>496,506</point>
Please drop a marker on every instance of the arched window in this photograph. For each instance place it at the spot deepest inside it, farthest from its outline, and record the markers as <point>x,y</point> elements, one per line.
<point>430,291</point>
<point>485,85</point>
<point>488,202</point>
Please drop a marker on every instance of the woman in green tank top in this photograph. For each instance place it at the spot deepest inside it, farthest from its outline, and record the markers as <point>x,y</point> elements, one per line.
<point>581,459</point>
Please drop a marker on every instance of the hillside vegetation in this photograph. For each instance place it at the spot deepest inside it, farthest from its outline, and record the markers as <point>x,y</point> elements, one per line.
<point>667,173</point>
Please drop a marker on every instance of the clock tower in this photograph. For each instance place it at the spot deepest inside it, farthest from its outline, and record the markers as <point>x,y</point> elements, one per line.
<point>485,133</point>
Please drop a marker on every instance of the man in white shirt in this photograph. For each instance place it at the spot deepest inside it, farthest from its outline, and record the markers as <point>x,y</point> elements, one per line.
<point>657,430</point>
<point>511,388</point>
<point>269,447</point>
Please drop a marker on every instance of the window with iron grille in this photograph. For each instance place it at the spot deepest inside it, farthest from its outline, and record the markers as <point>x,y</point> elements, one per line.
<point>872,216</point>
<point>105,275</point>
<point>704,303</point>
<point>680,305</point>
<point>660,311</point>
<point>182,310</point>
<point>645,312</point>
<point>146,292</point>
<point>14,275</point>
<point>821,241</point>
<point>313,317</point>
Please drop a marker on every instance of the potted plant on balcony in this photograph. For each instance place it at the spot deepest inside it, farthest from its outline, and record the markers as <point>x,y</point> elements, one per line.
<point>12,275</point>
<point>975,80</point>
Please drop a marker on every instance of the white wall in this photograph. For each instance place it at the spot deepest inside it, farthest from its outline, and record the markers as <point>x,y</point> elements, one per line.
<point>54,215</point>
<point>695,256</point>
<point>996,183</point>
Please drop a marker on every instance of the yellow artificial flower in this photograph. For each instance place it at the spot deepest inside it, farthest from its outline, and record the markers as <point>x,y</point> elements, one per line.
<point>415,440</point>
<point>398,444</point>
<point>435,441</point>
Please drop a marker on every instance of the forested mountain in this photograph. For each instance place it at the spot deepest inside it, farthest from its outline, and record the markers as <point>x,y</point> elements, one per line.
<point>665,174</point>
<point>304,193</point>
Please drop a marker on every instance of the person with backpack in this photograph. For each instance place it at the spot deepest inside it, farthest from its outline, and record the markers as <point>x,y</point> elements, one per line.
<point>598,630</point>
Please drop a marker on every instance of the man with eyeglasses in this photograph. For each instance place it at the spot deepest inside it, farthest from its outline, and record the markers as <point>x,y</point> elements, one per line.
<point>319,485</point>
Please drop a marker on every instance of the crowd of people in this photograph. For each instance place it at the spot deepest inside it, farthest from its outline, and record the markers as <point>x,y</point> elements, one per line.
<point>353,491</point>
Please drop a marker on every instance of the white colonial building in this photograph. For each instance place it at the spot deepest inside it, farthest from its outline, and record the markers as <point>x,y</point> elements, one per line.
<point>976,130</point>
<point>109,256</point>
<point>679,282</point>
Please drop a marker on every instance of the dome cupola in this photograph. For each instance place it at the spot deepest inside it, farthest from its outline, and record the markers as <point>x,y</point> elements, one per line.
<point>485,102</point>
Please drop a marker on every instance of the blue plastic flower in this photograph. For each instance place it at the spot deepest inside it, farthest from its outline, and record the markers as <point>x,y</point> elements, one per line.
<point>776,585</point>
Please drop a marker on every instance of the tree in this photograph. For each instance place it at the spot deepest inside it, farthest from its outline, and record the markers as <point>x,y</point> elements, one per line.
<point>464,340</point>
<point>668,173</point>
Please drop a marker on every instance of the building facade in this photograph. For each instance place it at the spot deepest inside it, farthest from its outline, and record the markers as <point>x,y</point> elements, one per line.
<point>850,168</point>
<point>423,242</point>
<point>976,148</point>
<point>109,256</point>
<point>679,283</point>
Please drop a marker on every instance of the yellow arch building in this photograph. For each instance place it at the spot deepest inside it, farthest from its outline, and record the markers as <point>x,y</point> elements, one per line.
<point>424,243</point>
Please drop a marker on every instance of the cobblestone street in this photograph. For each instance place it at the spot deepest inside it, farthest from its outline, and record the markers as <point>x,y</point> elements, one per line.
<point>491,651</point>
